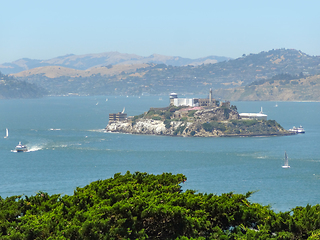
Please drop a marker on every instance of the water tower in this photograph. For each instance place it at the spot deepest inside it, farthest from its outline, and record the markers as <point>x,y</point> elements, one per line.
<point>172,97</point>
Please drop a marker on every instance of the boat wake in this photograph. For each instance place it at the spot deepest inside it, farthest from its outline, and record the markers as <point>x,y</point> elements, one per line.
<point>97,130</point>
<point>34,148</point>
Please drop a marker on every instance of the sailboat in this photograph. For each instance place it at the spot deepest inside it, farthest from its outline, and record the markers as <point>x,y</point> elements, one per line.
<point>286,163</point>
<point>7,133</point>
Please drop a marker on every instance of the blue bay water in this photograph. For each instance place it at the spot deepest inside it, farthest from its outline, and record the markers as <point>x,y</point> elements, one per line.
<point>69,149</point>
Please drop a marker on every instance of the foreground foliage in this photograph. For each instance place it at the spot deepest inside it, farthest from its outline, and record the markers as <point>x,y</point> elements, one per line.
<point>146,206</point>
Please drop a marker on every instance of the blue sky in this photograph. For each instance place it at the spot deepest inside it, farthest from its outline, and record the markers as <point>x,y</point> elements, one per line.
<point>192,29</point>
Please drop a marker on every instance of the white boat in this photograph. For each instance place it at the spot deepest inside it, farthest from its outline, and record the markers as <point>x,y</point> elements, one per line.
<point>7,133</point>
<point>21,148</point>
<point>297,129</point>
<point>286,163</point>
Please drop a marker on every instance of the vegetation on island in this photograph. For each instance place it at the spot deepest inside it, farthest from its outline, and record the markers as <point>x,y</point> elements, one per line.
<point>12,88</point>
<point>147,206</point>
<point>221,120</point>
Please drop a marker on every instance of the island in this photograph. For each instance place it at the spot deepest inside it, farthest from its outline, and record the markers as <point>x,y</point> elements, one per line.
<point>196,118</point>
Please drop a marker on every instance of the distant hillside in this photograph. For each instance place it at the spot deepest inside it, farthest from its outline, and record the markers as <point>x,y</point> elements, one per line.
<point>87,61</point>
<point>56,71</point>
<point>12,88</point>
<point>296,89</point>
<point>163,79</point>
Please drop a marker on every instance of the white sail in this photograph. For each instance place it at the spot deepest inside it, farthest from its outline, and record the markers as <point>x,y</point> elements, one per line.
<point>7,133</point>
<point>286,162</point>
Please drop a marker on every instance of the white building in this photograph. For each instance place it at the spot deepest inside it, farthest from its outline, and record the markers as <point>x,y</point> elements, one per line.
<point>190,102</point>
<point>258,116</point>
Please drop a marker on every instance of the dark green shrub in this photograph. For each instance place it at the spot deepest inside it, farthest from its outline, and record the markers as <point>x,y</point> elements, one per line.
<point>191,113</point>
<point>207,127</point>
<point>249,123</point>
<point>138,116</point>
<point>218,126</point>
<point>233,107</point>
<point>167,115</point>
<point>150,112</point>
<point>167,123</point>
<point>226,112</point>
<point>215,118</point>
<point>184,119</point>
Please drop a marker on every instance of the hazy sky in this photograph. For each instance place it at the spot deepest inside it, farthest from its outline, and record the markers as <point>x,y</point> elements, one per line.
<point>45,29</point>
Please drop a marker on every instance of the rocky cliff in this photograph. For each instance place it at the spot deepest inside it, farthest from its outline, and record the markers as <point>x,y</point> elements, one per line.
<point>204,122</point>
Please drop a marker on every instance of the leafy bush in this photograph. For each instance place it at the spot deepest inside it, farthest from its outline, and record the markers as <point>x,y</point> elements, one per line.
<point>226,112</point>
<point>271,123</point>
<point>184,119</point>
<point>138,116</point>
<point>207,127</point>
<point>167,115</point>
<point>147,206</point>
<point>249,123</point>
<point>156,118</point>
<point>234,107</point>
<point>150,112</point>
<point>210,126</point>
<point>180,129</point>
<point>167,123</point>
<point>218,126</point>
<point>191,113</point>
<point>135,118</point>
<point>214,118</point>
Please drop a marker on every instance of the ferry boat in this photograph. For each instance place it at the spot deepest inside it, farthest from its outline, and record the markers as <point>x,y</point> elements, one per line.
<point>21,148</point>
<point>297,129</point>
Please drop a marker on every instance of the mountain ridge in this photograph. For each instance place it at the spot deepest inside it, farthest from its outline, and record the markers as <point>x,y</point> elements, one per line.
<point>154,78</point>
<point>86,61</point>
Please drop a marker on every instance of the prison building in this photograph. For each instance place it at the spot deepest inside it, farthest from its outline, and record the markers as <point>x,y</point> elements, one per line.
<point>117,116</point>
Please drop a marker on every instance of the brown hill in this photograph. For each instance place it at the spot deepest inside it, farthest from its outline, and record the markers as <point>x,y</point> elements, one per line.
<point>87,61</point>
<point>56,71</point>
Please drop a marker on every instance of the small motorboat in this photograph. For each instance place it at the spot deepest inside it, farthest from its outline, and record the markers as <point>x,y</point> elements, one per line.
<point>21,148</point>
